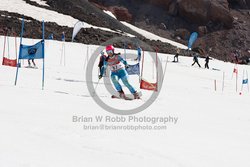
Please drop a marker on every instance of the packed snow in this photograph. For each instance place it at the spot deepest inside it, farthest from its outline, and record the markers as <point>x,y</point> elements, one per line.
<point>40,2</point>
<point>37,130</point>
<point>109,13</point>
<point>152,36</point>
<point>147,34</point>
<point>21,7</point>
<point>206,127</point>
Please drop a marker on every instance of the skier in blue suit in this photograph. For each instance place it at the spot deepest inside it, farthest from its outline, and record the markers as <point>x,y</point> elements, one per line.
<point>139,54</point>
<point>117,66</point>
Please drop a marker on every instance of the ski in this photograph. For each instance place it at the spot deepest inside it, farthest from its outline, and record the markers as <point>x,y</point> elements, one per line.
<point>33,67</point>
<point>125,98</point>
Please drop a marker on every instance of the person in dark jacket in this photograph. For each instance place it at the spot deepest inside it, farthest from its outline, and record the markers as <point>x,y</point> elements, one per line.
<point>101,61</point>
<point>34,64</point>
<point>196,59</point>
<point>176,55</point>
<point>207,61</point>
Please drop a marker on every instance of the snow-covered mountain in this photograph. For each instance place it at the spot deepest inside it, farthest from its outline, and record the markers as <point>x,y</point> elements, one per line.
<point>60,18</point>
<point>221,24</point>
<point>189,124</point>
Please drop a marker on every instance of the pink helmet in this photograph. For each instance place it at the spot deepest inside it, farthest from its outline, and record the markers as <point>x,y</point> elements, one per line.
<point>110,47</point>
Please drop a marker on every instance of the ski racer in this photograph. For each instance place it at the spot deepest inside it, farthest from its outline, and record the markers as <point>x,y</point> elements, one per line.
<point>117,66</point>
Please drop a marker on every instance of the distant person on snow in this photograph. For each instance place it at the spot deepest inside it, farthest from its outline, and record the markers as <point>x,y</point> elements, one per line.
<point>63,36</point>
<point>117,66</point>
<point>207,61</point>
<point>196,59</point>
<point>176,55</point>
<point>34,64</point>
<point>51,37</point>
<point>138,54</point>
<point>101,61</point>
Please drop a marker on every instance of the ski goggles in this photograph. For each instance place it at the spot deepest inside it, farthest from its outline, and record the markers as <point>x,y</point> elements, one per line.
<point>109,51</point>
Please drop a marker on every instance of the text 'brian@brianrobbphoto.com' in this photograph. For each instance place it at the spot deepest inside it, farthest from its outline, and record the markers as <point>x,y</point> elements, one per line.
<point>130,123</point>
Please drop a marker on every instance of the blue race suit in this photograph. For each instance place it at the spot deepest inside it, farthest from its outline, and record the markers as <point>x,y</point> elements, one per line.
<point>117,72</point>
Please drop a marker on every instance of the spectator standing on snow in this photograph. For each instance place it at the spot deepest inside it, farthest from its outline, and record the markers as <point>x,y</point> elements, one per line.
<point>51,36</point>
<point>207,61</point>
<point>101,61</point>
<point>34,64</point>
<point>195,59</point>
<point>139,50</point>
<point>63,36</point>
<point>176,55</point>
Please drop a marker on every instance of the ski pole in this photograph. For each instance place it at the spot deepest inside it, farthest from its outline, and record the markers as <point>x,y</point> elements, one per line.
<point>94,93</point>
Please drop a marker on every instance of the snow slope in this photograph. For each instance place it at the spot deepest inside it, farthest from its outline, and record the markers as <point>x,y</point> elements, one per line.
<point>152,36</point>
<point>65,20</point>
<point>37,130</point>
<point>21,7</point>
<point>109,13</point>
<point>46,15</point>
<point>40,2</point>
<point>147,34</point>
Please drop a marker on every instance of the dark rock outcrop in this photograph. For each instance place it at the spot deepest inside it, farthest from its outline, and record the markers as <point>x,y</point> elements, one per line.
<point>243,4</point>
<point>121,13</point>
<point>221,24</point>
<point>203,11</point>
